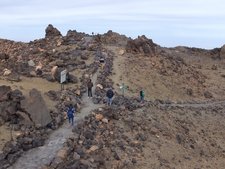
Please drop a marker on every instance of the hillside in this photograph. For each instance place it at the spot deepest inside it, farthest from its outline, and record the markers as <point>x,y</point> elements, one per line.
<point>179,125</point>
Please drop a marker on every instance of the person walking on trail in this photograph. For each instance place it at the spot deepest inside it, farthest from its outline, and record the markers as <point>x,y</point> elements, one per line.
<point>109,95</point>
<point>89,85</point>
<point>142,95</point>
<point>102,62</point>
<point>70,114</point>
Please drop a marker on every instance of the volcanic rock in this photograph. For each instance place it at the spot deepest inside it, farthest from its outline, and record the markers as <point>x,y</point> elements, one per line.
<point>51,31</point>
<point>222,52</point>
<point>36,107</point>
<point>4,56</point>
<point>4,92</point>
<point>141,45</point>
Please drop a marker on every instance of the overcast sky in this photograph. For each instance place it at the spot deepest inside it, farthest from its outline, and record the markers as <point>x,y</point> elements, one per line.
<point>169,23</point>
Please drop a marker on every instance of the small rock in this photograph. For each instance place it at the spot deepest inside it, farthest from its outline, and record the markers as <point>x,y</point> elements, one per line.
<point>86,76</point>
<point>179,139</point>
<point>100,86</point>
<point>72,79</point>
<point>134,160</point>
<point>208,95</point>
<point>77,92</point>
<point>100,109</point>
<point>14,77</point>
<point>76,156</point>
<point>99,117</point>
<point>154,131</point>
<point>214,67</point>
<point>62,153</point>
<point>93,148</point>
<point>39,72</point>
<point>105,120</point>
<point>190,92</point>
<point>6,72</point>
<point>31,63</point>
<point>118,155</point>
<point>121,52</point>
<point>78,107</point>
<point>32,73</point>
<point>84,57</point>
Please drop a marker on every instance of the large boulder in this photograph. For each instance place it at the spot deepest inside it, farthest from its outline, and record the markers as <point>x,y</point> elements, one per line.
<point>16,95</point>
<point>9,103</point>
<point>222,52</point>
<point>51,31</point>
<point>4,92</point>
<point>35,106</point>
<point>72,37</point>
<point>71,78</point>
<point>141,45</point>
<point>4,106</point>
<point>112,38</point>
<point>24,118</point>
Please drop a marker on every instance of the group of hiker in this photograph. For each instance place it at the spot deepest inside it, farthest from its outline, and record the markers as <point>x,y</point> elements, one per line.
<point>71,109</point>
<point>109,94</point>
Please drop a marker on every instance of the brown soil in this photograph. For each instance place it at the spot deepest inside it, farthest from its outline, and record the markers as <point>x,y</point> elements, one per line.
<point>141,72</point>
<point>6,134</point>
<point>201,130</point>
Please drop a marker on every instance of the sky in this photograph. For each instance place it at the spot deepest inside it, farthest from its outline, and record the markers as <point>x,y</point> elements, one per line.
<point>169,23</point>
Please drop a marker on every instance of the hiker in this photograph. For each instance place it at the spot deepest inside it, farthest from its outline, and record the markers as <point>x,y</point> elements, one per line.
<point>70,114</point>
<point>102,63</point>
<point>142,95</point>
<point>89,85</point>
<point>109,95</point>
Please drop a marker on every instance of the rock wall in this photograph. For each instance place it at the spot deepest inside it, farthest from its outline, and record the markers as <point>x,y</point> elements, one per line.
<point>141,45</point>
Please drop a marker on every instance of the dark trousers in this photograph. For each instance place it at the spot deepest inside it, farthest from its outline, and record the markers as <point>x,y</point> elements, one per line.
<point>109,101</point>
<point>71,119</point>
<point>89,92</point>
<point>142,98</point>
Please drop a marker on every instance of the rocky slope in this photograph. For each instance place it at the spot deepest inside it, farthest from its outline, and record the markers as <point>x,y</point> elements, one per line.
<point>157,134</point>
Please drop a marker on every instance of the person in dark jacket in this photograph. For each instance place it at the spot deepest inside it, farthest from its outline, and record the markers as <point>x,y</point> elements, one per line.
<point>89,85</point>
<point>70,114</point>
<point>109,95</point>
<point>142,95</point>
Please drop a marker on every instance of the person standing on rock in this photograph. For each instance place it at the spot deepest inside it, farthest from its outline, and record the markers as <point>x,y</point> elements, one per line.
<point>109,95</point>
<point>70,114</point>
<point>89,85</point>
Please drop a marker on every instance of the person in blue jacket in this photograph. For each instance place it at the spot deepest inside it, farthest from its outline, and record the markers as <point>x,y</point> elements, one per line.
<point>70,114</point>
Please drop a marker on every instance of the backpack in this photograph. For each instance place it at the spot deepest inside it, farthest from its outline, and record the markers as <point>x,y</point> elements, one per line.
<point>70,112</point>
<point>109,93</point>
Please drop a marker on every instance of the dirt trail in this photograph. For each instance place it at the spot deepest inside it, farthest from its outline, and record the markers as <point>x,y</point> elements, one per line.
<point>88,105</point>
<point>38,157</point>
<point>119,64</point>
<point>195,105</point>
